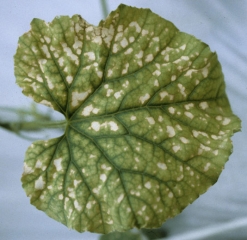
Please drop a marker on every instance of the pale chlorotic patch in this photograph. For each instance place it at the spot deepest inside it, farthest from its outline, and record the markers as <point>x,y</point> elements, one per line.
<point>96,126</point>
<point>39,183</point>
<point>162,166</point>
<point>171,131</point>
<point>78,97</point>
<point>144,98</point>
<point>58,164</point>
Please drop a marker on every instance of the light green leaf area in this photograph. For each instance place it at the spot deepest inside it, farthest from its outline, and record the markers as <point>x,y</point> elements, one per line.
<point>148,121</point>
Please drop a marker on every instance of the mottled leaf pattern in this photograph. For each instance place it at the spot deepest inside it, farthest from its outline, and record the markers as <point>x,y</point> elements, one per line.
<point>148,121</point>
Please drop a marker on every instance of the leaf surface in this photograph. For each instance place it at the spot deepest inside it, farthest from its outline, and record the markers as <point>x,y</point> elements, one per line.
<point>148,120</point>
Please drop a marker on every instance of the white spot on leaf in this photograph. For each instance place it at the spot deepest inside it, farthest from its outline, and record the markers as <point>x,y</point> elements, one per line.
<point>97,40</point>
<point>171,110</point>
<point>77,44</point>
<point>205,71</point>
<point>175,148</point>
<point>144,32</point>
<point>160,119</point>
<point>226,121</point>
<point>78,97</point>
<point>147,185</point>
<point>96,190</point>
<point>107,34</point>
<point>128,51</point>
<point>132,118</point>
<point>219,118</point>
<point>170,195</point>
<point>139,55</point>
<point>46,103</point>
<point>156,39</point>
<point>109,91</point>
<point>182,58</point>
<point>156,83</point>
<point>69,79</point>
<point>189,106</point>
<point>38,164</point>
<point>76,182</point>
<point>136,25</point>
<point>87,110</point>
<point>156,72</point>
<point>90,55</point>
<point>60,61</point>
<point>103,177</point>
<point>57,163</point>
<point>203,148</point>
<point>182,89</point>
<point>109,73</point>
<point>115,48</point>
<point>70,54</point>
<point>162,166</point>
<point>126,84</point>
<point>46,51</point>
<point>149,57</point>
<point>150,120</point>
<point>103,166</point>
<point>124,43</point>
<point>113,126</point>
<point>206,167</point>
<point>50,84</point>
<point>120,28</point>
<point>215,152</point>
<point>137,159</point>
<point>184,140</point>
<point>203,105</point>
<point>78,27</point>
<point>144,98</point>
<point>95,126</point>
<point>183,47</point>
<point>167,57</point>
<point>189,115</point>
<point>120,198</point>
<point>27,169</point>
<point>89,205</point>
<point>39,183</point>
<point>189,73</point>
<point>118,94</point>
<point>60,197</point>
<point>42,62</point>
<point>125,70</point>
<point>131,39</point>
<point>170,130</point>
<point>39,78</point>
<point>173,78</point>
<point>77,205</point>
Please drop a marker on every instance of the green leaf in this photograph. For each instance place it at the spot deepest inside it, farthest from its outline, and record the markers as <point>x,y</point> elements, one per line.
<point>148,120</point>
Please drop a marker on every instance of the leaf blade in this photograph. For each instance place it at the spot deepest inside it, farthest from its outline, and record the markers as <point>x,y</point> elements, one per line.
<point>148,120</point>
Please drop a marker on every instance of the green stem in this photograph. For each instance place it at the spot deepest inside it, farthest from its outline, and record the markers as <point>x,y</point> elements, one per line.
<point>29,120</point>
<point>32,125</point>
<point>26,112</point>
<point>104,8</point>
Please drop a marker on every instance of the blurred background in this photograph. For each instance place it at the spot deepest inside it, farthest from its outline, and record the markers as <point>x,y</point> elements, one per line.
<point>219,23</point>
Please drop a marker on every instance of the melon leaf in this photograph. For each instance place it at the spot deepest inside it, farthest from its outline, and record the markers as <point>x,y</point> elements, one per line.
<point>148,120</point>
